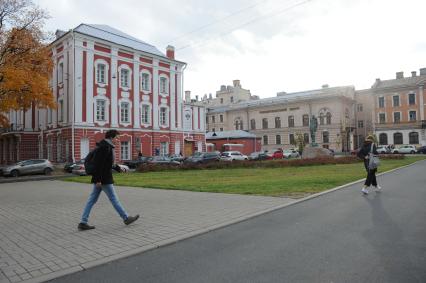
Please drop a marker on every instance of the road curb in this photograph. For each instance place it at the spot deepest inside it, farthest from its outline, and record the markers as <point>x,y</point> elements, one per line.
<point>31,179</point>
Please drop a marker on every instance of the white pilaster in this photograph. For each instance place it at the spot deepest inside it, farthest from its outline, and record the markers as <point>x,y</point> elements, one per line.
<point>114,116</point>
<point>202,119</point>
<point>28,119</point>
<point>421,102</point>
<point>78,82</point>
<point>172,97</point>
<point>155,95</point>
<point>136,94</point>
<point>54,85</point>
<point>179,98</point>
<point>89,83</point>
<point>195,113</point>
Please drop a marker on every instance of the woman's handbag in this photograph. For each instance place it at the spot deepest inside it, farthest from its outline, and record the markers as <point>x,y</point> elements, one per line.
<point>374,160</point>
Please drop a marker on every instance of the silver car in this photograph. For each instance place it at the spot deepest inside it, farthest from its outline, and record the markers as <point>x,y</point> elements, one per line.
<point>28,167</point>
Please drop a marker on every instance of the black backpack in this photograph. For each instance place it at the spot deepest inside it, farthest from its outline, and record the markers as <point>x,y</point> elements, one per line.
<point>89,162</point>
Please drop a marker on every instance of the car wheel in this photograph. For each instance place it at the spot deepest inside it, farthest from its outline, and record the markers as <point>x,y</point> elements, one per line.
<point>47,171</point>
<point>395,152</point>
<point>14,173</point>
<point>412,152</point>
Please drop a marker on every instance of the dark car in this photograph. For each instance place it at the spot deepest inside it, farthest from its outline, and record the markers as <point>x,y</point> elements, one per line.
<point>203,157</point>
<point>177,157</point>
<point>135,163</point>
<point>162,160</point>
<point>422,149</point>
<point>259,156</point>
<point>71,165</point>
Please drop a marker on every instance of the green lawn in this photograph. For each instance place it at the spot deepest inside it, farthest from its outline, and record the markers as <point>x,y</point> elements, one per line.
<point>287,181</point>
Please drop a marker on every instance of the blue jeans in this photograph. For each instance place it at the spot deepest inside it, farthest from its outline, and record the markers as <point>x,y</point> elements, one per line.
<point>93,198</point>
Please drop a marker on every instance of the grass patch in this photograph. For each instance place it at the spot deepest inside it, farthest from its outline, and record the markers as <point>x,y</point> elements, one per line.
<point>285,181</point>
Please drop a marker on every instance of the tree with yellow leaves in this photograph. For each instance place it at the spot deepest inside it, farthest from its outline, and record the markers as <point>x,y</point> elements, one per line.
<point>25,61</point>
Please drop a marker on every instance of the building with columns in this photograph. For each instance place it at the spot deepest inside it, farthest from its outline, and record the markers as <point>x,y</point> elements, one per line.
<point>105,79</point>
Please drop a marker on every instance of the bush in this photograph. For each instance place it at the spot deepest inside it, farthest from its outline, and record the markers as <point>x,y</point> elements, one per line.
<point>327,160</point>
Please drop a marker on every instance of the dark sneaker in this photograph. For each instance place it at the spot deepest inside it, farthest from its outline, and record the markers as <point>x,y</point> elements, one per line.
<point>131,219</point>
<point>85,226</point>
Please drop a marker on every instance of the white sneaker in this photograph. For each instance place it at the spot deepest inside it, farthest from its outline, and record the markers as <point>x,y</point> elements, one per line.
<point>364,191</point>
<point>378,188</point>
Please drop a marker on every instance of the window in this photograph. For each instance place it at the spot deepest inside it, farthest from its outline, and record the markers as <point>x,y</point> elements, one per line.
<point>61,110</point>
<point>124,112</point>
<point>321,119</point>
<point>145,82</point>
<point>383,139</point>
<point>381,102</point>
<point>360,124</point>
<point>265,140</point>
<point>396,117</point>
<point>213,119</point>
<point>413,138</point>
<point>49,116</point>
<point>412,115</point>
<point>277,139</point>
<point>397,138</point>
<point>221,129</point>
<point>328,118</point>
<point>306,138</point>
<point>125,150</point>
<point>411,98</point>
<point>359,108</point>
<point>100,74</point>
<point>232,99</point>
<point>395,100</point>
<point>305,120</point>
<point>100,110</point>
<point>60,73</point>
<point>214,130</point>
<point>291,121</point>
<point>253,124</point>
<point>221,118</point>
<point>164,148</point>
<point>207,119</point>
<point>163,116</point>
<point>145,114</point>
<point>221,101</point>
<point>277,122</point>
<point>291,139</point>
<point>124,78</point>
<point>264,123</point>
<point>163,85</point>
<point>382,118</point>
<point>325,137</point>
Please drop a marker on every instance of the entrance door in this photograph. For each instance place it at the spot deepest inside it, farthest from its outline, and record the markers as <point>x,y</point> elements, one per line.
<point>84,148</point>
<point>188,148</point>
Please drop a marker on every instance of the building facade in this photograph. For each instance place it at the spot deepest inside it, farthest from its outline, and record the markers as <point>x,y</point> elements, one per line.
<point>399,109</point>
<point>105,79</point>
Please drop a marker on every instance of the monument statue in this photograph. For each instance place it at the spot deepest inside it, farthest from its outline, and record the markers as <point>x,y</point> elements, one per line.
<point>313,126</point>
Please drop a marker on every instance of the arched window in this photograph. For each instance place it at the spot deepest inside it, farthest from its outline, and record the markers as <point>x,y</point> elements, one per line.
<point>397,138</point>
<point>325,137</point>
<point>253,124</point>
<point>413,138</point>
<point>265,140</point>
<point>383,139</point>
<point>328,118</point>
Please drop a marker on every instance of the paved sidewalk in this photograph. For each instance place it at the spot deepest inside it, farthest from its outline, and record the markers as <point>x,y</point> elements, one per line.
<point>38,225</point>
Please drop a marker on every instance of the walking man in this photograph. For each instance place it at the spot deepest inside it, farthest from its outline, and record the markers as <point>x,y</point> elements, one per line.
<point>102,181</point>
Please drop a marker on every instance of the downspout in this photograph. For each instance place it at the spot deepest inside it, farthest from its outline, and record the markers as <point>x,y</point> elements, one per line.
<point>73,101</point>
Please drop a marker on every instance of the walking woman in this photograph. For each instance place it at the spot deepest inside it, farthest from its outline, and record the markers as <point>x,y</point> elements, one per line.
<point>364,153</point>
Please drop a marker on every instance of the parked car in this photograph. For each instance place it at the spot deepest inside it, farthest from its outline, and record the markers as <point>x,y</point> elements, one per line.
<point>291,153</point>
<point>405,149</point>
<point>177,157</point>
<point>203,157</point>
<point>135,163</point>
<point>28,167</point>
<point>259,155</point>
<point>79,170</point>
<point>162,160</point>
<point>276,154</point>
<point>422,149</point>
<point>232,155</point>
<point>70,165</point>
<point>383,149</point>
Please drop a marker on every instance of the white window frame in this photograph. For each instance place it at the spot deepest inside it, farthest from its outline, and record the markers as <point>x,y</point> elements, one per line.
<point>400,116</point>
<point>101,76</point>
<point>378,117</point>
<point>96,64</point>
<point>164,148</point>
<point>399,100</point>
<point>129,107</point>
<point>61,72</point>
<point>166,124</point>
<point>61,111</point>
<point>129,77</point>
<point>412,110</point>
<point>148,123</point>
<point>146,73</point>
<point>106,100</point>
<point>165,91</point>
<point>378,102</point>
<point>125,155</point>
<point>408,98</point>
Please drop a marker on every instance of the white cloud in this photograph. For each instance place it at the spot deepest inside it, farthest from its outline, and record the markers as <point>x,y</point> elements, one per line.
<point>349,42</point>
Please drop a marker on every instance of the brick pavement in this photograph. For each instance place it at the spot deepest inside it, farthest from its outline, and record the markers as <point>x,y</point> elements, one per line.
<point>38,225</point>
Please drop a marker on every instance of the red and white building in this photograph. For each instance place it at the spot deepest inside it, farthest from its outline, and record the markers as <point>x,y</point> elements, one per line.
<point>105,79</point>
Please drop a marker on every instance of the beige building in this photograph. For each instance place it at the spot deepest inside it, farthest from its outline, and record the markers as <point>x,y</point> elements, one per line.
<point>278,120</point>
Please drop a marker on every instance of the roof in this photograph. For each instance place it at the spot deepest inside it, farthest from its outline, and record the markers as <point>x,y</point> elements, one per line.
<point>116,36</point>
<point>403,82</point>
<point>229,134</point>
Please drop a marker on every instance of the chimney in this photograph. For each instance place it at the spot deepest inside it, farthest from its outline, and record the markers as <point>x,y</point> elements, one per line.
<point>423,72</point>
<point>399,75</point>
<point>413,74</point>
<point>59,33</point>
<point>324,86</point>
<point>236,83</point>
<point>210,96</point>
<point>222,87</point>
<point>170,52</point>
<point>187,96</point>
<point>196,98</point>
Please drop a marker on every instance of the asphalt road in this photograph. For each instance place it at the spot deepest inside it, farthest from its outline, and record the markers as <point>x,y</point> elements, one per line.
<point>338,237</point>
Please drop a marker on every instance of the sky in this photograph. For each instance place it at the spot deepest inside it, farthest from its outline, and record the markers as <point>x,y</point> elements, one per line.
<point>269,45</point>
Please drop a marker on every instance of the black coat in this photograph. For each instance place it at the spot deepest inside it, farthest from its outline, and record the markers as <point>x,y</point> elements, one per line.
<point>104,160</point>
<point>365,150</point>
